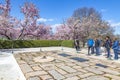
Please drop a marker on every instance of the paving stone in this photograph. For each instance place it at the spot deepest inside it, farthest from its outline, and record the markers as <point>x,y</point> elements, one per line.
<point>35,73</point>
<point>34,78</point>
<point>109,71</point>
<point>36,68</point>
<point>112,66</point>
<point>50,79</point>
<point>57,61</point>
<point>34,64</point>
<point>71,60</point>
<point>68,69</point>
<point>86,75</point>
<point>73,74</point>
<point>65,60</point>
<point>60,64</point>
<point>61,71</point>
<point>70,64</point>
<point>73,78</point>
<point>117,64</point>
<point>82,64</point>
<point>94,70</point>
<point>114,79</point>
<point>76,67</point>
<point>48,66</point>
<point>112,76</point>
<point>118,68</point>
<point>30,62</point>
<point>91,64</point>
<point>82,70</point>
<point>106,62</point>
<point>56,75</point>
<point>45,77</point>
<point>25,68</point>
<point>21,62</point>
<point>96,78</point>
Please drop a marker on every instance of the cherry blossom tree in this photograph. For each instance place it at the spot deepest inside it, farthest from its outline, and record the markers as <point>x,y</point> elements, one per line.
<point>62,33</point>
<point>67,30</point>
<point>30,28</point>
<point>44,32</point>
<point>27,28</point>
<point>7,22</point>
<point>29,24</point>
<point>84,23</point>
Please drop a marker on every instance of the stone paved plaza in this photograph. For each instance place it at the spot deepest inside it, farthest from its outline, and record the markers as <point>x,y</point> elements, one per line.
<point>67,66</point>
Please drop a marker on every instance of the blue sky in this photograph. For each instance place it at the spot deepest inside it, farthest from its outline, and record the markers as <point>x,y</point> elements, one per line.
<point>54,11</point>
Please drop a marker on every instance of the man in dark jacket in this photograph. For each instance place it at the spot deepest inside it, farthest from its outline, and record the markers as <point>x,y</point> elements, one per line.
<point>108,46</point>
<point>97,46</point>
<point>76,43</point>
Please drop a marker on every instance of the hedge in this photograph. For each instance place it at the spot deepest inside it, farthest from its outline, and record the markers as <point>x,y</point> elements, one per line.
<point>67,43</point>
<point>5,44</point>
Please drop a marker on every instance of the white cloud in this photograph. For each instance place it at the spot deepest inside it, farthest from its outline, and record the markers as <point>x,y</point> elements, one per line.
<point>110,21</point>
<point>114,24</point>
<point>44,20</point>
<point>50,19</point>
<point>55,26</point>
<point>103,10</point>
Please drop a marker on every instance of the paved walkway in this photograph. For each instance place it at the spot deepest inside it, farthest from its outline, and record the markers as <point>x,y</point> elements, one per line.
<point>68,65</point>
<point>9,68</point>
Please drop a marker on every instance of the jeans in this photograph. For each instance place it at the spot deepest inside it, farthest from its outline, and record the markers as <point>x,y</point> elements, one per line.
<point>97,50</point>
<point>108,52</point>
<point>115,54</point>
<point>90,48</point>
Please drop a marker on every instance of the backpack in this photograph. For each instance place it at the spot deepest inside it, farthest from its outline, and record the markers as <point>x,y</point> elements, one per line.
<point>90,42</point>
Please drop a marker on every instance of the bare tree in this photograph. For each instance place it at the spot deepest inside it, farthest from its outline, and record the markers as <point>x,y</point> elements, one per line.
<point>91,23</point>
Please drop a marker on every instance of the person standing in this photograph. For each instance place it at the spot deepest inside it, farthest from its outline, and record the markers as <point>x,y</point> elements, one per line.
<point>76,43</point>
<point>108,46</point>
<point>115,47</point>
<point>97,46</point>
<point>90,43</point>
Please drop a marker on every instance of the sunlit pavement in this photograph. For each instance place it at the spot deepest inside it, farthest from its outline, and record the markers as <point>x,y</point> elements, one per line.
<point>9,69</point>
<point>68,65</point>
